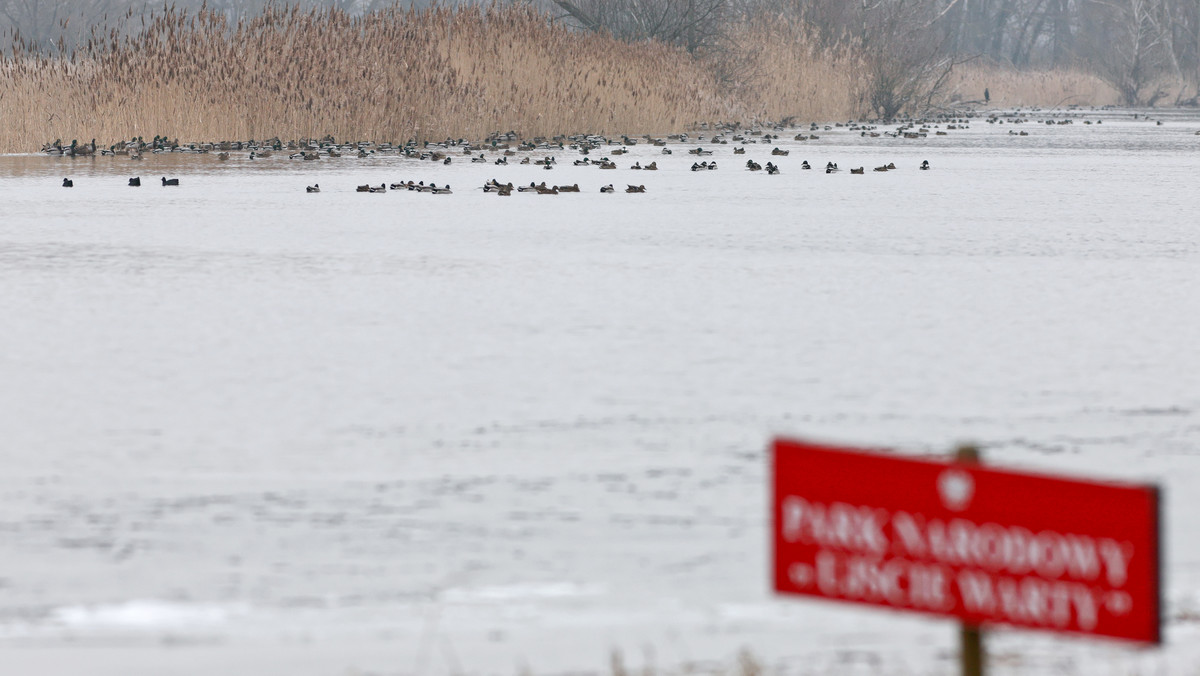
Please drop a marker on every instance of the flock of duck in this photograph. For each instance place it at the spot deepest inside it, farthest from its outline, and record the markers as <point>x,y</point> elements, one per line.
<point>134,182</point>
<point>505,145</point>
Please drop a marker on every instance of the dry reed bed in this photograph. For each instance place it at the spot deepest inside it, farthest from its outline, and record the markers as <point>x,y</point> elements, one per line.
<point>391,75</point>
<point>1010,88</point>
<point>437,73</point>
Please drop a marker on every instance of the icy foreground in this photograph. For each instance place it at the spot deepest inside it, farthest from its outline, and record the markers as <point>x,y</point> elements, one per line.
<point>252,430</point>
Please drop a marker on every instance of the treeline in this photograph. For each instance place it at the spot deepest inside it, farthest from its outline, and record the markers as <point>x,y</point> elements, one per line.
<point>1147,50</point>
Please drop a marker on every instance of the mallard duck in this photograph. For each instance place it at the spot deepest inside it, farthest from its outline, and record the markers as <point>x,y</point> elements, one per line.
<point>363,188</point>
<point>608,188</point>
<point>478,160</point>
<point>316,187</point>
<point>222,155</point>
<point>772,169</point>
<point>381,188</point>
<point>169,181</point>
<point>135,182</point>
<point>444,190</point>
<point>653,166</point>
<point>805,165</point>
<point>636,188</point>
<point>860,170</point>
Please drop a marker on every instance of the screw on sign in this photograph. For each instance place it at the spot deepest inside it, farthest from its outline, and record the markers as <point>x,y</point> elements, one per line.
<point>957,539</point>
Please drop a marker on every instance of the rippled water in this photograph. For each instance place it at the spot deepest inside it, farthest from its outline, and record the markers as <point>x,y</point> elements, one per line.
<point>250,428</point>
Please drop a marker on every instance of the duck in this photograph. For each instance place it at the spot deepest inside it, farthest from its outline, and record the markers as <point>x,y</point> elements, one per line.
<point>831,168</point>
<point>753,166</point>
<point>805,165</point>
<point>169,181</point>
<point>697,166</point>
<point>608,188</point>
<point>567,188</point>
<point>68,183</point>
<point>636,165</point>
<point>772,169</point>
<point>860,170</point>
<point>444,190</point>
<point>582,163</point>
<point>135,182</point>
<point>478,160</point>
<point>222,155</point>
<point>502,161</point>
<point>636,188</point>
<point>925,165</point>
<point>382,188</point>
<point>316,187</point>
<point>883,168</point>
<point>363,188</point>
<point>543,190</point>
<point>666,151</point>
<point>780,152</point>
<point>653,166</point>
<point>739,151</point>
<point>446,161</point>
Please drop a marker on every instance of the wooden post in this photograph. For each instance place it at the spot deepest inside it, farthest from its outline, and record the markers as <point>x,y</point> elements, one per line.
<point>970,636</point>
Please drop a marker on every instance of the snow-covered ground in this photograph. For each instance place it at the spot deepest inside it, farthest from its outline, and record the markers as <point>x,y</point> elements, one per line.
<point>247,429</point>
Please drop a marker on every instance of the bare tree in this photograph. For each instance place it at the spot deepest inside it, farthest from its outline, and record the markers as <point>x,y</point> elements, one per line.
<point>692,24</point>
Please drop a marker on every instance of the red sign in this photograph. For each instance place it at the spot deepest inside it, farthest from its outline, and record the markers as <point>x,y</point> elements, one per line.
<point>967,541</point>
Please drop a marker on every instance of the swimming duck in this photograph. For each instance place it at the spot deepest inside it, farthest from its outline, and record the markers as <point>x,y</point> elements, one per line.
<point>772,169</point>
<point>925,165</point>
<point>169,181</point>
<point>860,170</point>
<point>382,188</point>
<point>135,182</point>
<point>444,190</point>
<point>666,151</point>
<point>68,183</point>
<point>653,166</point>
<point>739,151</point>
<point>753,166</point>
<point>363,188</point>
<point>316,187</point>
<point>805,165</point>
<point>567,188</point>
<point>636,188</point>
<point>608,188</point>
<point>478,160</point>
<point>222,155</point>
<point>780,152</point>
